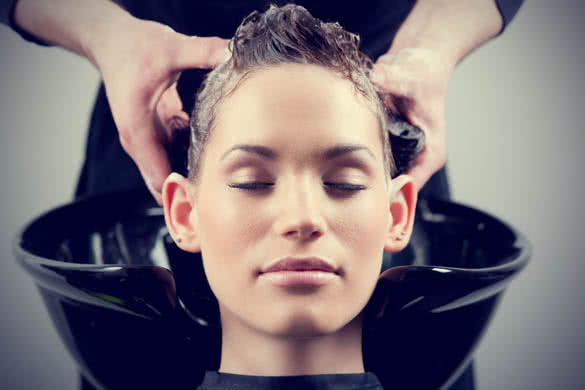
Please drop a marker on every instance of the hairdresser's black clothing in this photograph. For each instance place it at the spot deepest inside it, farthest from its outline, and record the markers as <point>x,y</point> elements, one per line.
<point>108,168</point>
<point>219,381</point>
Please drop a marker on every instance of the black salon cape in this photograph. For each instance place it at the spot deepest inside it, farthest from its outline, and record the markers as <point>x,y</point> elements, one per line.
<point>107,168</point>
<point>221,381</point>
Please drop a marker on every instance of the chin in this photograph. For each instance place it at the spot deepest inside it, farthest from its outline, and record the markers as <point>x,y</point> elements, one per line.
<point>304,325</point>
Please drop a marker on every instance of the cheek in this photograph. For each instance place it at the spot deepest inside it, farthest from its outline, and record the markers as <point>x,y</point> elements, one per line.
<point>365,221</point>
<point>223,221</point>
<point>363,235</point>
<point>227,230</point>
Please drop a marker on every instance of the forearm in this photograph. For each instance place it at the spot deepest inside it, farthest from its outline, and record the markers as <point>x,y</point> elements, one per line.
<point>450,27</point>
<point>77,25</point>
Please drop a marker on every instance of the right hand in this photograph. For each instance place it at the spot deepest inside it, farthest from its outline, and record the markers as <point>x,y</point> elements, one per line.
<point>140,63</point>
<point>415,82</point>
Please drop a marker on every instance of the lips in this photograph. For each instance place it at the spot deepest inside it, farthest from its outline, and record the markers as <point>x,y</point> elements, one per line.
<point>300,273</point>
<point>300,264</point>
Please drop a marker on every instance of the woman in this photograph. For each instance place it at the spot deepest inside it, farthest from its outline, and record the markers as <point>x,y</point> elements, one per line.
<point>291,198</point>
<point>114,38</point>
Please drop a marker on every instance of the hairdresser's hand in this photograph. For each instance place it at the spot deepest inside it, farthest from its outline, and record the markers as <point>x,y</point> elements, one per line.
<point>442,33</point>
<point>415,82</point>
<point>140,62</point>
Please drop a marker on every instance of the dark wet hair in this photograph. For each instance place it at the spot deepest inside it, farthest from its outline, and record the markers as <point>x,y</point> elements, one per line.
<point>284,35</point>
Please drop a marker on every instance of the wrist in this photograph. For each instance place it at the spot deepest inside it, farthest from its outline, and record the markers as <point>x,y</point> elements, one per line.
<point>77,25</point>
<point>452,28</point>
<point>105,32</point>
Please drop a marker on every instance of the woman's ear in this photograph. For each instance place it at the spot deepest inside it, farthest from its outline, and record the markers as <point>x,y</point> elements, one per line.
<point>402,204</point>
<point>180,213</point>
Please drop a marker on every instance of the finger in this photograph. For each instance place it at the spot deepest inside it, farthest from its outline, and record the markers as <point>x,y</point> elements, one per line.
<point>403,94</point>
<point>420,175</point>
<point>426,164</point>
<point>201,52</point>
<point>157,195</point>
<point>146,149</point>
<point>145,124</point>
<point>393,80</point>
<point>154,167</point>
<point>170,111</point>
<point>395,87</point>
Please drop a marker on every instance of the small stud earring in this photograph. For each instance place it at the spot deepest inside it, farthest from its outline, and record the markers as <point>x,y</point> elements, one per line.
<point>178,240</point>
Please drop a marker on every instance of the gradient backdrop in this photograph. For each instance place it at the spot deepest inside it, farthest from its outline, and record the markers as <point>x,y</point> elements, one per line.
<point>516,119</point>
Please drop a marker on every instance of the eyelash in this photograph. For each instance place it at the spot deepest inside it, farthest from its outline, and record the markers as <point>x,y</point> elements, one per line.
<point>255,186</point>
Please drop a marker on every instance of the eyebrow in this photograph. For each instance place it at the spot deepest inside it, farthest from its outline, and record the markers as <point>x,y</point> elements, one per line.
<point>270,154</point>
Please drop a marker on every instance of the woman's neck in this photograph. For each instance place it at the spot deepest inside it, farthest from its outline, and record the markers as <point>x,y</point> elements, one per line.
<point>247,351</point>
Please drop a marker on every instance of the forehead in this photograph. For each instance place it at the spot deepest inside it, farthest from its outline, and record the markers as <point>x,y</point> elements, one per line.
<point>296,105</point>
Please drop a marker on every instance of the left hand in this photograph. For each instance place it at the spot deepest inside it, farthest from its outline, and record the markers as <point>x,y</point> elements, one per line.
<point>415,82</point>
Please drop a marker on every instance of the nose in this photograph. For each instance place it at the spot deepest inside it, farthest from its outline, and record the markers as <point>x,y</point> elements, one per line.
<point>300,215</point>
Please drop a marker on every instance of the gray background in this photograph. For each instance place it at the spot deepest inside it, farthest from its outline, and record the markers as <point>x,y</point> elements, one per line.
<point>516,117</point>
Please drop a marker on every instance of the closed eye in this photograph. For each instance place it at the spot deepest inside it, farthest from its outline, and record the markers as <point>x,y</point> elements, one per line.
<point>255,186</point>
<point>251,186</point>
<point>345,186</point>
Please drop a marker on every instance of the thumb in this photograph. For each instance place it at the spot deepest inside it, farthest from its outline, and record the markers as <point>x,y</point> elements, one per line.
<point>201,52</point>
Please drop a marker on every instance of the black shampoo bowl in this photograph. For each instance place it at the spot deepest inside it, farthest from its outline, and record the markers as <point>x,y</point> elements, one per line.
<point>136,312</point>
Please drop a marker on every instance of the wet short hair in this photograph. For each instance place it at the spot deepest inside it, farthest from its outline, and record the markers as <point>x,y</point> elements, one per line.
<point>284,35</point>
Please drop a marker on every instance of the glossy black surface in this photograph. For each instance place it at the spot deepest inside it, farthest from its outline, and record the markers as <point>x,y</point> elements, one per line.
<point>137,312</point>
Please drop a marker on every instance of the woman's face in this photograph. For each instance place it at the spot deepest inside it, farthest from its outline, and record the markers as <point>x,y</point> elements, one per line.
<point>293,168</point>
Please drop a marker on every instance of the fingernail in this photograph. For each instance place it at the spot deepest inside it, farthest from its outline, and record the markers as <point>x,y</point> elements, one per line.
<point>178,123</point>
